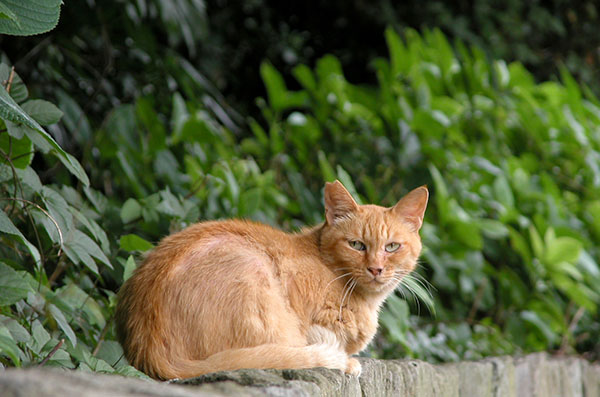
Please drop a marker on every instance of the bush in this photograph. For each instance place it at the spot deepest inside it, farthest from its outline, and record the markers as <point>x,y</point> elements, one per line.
<point>511,232</point>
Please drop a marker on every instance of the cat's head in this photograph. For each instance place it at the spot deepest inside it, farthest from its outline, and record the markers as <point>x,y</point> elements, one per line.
<point>377,246</point>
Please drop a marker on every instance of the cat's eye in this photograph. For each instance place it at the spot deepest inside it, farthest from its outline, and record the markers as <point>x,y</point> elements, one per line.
<point>392,247</point>
<point>357,245</point>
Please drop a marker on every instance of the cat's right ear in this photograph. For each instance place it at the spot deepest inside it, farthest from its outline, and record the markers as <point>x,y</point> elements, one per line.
<point>339,203</point>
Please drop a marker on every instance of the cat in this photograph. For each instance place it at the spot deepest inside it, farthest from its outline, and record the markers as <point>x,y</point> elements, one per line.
<point>232,294</point>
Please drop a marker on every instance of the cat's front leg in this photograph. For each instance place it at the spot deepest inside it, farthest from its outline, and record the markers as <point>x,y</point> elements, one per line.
<point>321,335</point>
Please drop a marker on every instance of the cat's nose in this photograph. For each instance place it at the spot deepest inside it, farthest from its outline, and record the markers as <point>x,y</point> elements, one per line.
<point>375,270</point>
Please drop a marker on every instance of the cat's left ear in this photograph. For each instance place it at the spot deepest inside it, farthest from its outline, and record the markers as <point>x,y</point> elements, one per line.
<point>412,207</point>
<point>339,203</point>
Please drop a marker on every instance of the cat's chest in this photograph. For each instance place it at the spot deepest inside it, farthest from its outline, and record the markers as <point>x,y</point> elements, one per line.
<point>354,322</point>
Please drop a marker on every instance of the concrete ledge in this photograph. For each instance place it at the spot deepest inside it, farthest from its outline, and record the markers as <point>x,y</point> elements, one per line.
<point>538,375</point>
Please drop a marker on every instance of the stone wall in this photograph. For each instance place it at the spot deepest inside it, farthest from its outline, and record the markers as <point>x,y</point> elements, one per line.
<point>536,375</point>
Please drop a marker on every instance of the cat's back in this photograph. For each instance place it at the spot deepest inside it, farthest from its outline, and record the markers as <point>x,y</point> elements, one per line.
<point>211,242</point>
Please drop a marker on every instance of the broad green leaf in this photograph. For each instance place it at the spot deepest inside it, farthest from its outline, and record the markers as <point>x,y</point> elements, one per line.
<point>89,245</point>
<point>129,268</point>
<point>131,210</point>
<point>6,13</point>
<point>326,168</point>
<point>76,297</point>
<point>133,242</point>
<point>18,89</point>
<point>43,112</point>
<point>129,371</point>
<point>536,242</point>
<point>9,346</point>
<point>12,113</point>
<point>19,333</point>
<point>62,322</point>
<point>467,232</point>
<point>279,96</point>
<point>346,180</point>
<point>534,319</point>
<point>30,178</point>
<point>492,228</point>
<point>40,337</point>
<point>563,249</point>
<point>503,192</point>
<point>6,226</point>
<point>30,16</point>
<point>20,151</point>
<point>97,232</point>
<point>58,208</point>
<point>179,115</point>
<point>250,201</point>
<point>13,286</point>
<point>111,352</point>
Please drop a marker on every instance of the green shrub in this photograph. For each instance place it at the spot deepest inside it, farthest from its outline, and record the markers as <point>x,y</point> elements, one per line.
<point>511,231</point>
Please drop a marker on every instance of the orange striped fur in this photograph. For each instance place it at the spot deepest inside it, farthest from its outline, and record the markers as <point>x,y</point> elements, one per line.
<point>233,294</point>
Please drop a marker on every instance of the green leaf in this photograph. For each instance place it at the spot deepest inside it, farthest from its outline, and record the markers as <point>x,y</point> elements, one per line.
<point>6,226</point>
<point>19,333</point>
<point>62,322</point>
<point>40,337</point>
<point>18,89</point>
<point>43,112</point>
<point>131,210</point>
<point>250,201</point>
<point>503,192</point>
<point>6,13</point>
<point>9,346</point>
<point>279,96</point>
<point>30,178</point>
<point>129,371</point>
<point>326,169</point>
<point>493,229</point>
<point>30,16</point>
<point>111,352</point>
<point>132,242</point>
<point>76,297</point>
<point>129,268</point>
<point>20,151</point>
<point>534,319</point>
<point>467,232</point>
<point>12,113</point>
<point>77,253</point>
<point>13,286</point>
<point>346,180</point>
<point>536,242</point>
<point>563,249</point>
<point>179,115</point>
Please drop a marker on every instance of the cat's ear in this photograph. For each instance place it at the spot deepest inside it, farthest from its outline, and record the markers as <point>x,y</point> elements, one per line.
<point>411,208</point>
<point>339,203</point>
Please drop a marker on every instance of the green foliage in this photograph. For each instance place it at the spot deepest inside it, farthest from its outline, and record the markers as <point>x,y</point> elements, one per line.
<point>28,17</point>
<point>511,233</point>
<point>65,247</point>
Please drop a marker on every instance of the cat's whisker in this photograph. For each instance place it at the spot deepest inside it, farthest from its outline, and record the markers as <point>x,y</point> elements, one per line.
<point>352,282</point>
<point>342,269</point>
<point>337,278</point>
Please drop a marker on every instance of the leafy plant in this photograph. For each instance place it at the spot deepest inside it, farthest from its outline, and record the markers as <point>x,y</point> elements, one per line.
<point>510,238</point>
<point>28,17</point>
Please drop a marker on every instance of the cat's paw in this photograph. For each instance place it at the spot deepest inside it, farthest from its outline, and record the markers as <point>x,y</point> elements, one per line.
<point>353,367</point>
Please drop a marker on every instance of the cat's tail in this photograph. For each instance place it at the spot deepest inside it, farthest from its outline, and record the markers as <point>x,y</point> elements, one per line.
<point>259,357</point>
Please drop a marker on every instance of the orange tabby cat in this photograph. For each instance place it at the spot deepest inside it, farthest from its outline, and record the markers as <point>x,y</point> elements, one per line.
<point>235,294</point>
